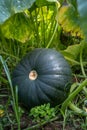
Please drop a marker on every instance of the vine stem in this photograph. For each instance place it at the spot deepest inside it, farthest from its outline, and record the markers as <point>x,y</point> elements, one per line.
<point>72,95</point>
<point>82,66</point>
<point>81,63</point>
<point>56,27</point>
<point>52,36</point>
<point>77,110</point>
<point>81,60</point>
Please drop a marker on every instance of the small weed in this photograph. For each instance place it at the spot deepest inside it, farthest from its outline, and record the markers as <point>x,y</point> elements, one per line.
<point>42,113</point>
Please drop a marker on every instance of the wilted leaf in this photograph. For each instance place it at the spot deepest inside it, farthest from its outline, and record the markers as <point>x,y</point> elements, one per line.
<point>18,27</point>
<point>81,7</point>
<point>68,18</point>
<point>10,7</point>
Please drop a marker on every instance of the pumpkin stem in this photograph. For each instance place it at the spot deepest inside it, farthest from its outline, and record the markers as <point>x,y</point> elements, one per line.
<point>33,75</point>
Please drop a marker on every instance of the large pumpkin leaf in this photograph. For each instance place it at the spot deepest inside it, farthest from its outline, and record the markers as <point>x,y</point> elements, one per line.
<point>82,10</point>
<point>21,26</point>
<point>10,7</point>
<point>18,27</point>
<point>68,18</point>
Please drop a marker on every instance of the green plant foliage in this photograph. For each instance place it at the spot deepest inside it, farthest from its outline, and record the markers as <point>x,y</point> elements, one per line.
<point>42,113</point>
<point>84,50</point>
<point>31,25</point>
<point>73,3</point>
<point>82,10</point>
<point>68,18</point>
<point>41,3</point>
<point>10,7</point>
<point>18,27</point>
<point>2,112</point>
<point>72,52</point>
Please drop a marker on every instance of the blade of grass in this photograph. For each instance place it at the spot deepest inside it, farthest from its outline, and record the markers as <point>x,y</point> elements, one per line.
<point>56,27</point>
<point>16,110</point>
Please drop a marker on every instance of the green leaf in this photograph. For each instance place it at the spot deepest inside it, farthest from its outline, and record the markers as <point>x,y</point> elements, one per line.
<point>73,3</point>
<point>41,2</point>
<point>18,27</point>
<point>72,54</point>
<point>82,10</point>
<point>10,7</point>
<point>68,18</point>
<point>73,17</point>
<point>73,50</point>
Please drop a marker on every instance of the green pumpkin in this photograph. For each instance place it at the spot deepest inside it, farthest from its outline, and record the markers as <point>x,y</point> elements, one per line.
<point>42,76</point>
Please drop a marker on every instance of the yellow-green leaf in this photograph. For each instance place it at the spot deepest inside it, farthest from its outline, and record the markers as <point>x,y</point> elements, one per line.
<point>68,18</point>
<point>17,27</point>
<point>1,113</point>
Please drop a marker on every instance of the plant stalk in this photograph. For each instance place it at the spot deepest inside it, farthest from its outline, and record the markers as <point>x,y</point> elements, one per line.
<point>72,95</point>
<point>77,110</point>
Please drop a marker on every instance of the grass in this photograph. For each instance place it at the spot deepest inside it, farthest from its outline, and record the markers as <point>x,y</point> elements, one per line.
<point>72,113</point>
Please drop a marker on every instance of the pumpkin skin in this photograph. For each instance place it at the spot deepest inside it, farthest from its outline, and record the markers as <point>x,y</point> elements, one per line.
<point>42,76</point>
